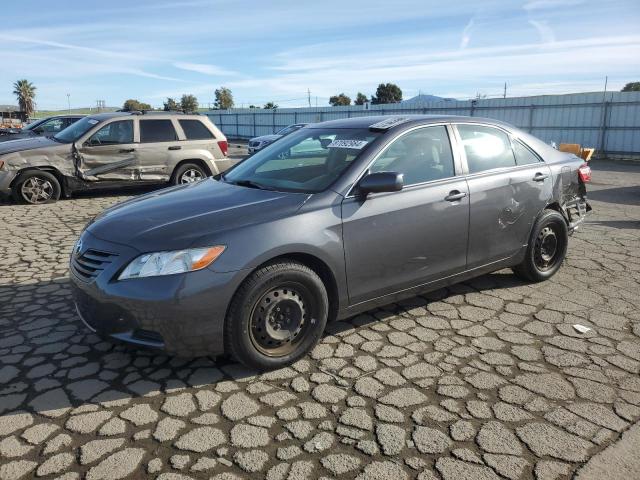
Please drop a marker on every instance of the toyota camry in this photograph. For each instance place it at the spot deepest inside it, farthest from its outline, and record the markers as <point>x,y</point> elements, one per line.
<point>334,219</point>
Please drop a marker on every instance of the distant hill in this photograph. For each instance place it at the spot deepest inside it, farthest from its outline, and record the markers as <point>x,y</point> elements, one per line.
<point>423,98</point>
<point>86,111</point>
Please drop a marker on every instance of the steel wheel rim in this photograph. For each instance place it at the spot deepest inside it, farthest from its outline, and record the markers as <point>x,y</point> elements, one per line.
<point>280,320</point>
<point>546,249</point>
<point>191,175</point>
<point>37,190</point>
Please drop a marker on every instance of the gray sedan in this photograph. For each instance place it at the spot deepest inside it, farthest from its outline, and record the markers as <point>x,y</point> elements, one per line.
<point>258,143</point>
<point>332,220</point>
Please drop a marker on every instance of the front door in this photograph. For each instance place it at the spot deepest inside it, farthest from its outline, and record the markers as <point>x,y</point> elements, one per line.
<point>398,240</point>
<point>508,184</point>
<point>109,154</point>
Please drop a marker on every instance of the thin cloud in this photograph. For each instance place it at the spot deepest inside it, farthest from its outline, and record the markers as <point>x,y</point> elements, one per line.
<point>544,30</point>
<point>466,35</point>
<point>548,4</point>
<point>205,69</point>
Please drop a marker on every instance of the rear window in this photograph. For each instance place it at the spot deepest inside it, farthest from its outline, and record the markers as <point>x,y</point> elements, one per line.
<point>195,130</point>
<point>157,131</point>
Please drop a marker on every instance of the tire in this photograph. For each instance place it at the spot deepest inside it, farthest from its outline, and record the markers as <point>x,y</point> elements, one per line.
<point>257,335</point>
<point>547,248</point>
<point>188,173</point>
<point>36,187</point>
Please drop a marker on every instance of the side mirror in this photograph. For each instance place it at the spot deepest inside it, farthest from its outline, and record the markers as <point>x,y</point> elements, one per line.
<point>381,182</point>
<point>325,142</point>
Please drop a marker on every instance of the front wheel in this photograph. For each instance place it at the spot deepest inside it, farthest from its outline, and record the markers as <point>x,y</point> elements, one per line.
<point>188,173</point>
<point>547,248</point>
<point>277,315</point>
<point>36,187</point>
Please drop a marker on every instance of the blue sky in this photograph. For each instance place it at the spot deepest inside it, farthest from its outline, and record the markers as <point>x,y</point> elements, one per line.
<point>276,50</point>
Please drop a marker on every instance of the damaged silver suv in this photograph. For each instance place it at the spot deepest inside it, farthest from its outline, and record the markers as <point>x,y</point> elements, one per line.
<point>111,150</point>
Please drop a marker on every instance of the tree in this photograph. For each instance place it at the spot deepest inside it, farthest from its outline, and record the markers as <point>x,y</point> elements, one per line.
<point>189,103</point>
<point>339,100</point>
<point>631,87</point>
<point>132,104</point>
<point>270,106</point>
<point>224,98</point>
<point>361,99</point>
<point>387,93</point>
<point>26,93</point>
<point>171,105</point>
<point>253,106</point>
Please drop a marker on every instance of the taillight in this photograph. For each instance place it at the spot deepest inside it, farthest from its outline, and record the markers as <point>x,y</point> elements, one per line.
<point>1,163</point>
<point>224,146</point>
<point>584,173</point>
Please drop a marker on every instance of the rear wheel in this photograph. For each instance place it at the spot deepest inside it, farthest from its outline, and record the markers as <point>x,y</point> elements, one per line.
<point>277,315</point>
<point>36,187</point>
<point>188,173</point>
<point>547,248</point>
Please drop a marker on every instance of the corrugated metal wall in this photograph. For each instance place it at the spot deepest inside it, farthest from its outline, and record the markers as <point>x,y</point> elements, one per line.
<point>609,122</point>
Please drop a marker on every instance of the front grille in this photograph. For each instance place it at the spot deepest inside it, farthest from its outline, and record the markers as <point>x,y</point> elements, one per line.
<point>89,265</point>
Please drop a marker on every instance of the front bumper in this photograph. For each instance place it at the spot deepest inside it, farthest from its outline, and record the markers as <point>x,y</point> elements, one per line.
<point>181,314</point>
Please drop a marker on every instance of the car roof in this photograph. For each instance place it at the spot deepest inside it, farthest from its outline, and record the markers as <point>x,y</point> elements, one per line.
<point>155,114</point>
<point>386,122</point>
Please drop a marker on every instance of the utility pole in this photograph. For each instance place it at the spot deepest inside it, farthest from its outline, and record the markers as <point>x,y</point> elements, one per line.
<point>504,95</point>
<point>69,101</point>
<point>309,97</point>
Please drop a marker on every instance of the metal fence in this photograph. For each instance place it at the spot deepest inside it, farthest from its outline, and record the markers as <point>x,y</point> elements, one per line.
<point>609,121</point>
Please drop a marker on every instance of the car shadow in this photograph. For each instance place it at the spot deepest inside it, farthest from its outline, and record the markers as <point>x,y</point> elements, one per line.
<point>51,364</point>
<point>618,195</point>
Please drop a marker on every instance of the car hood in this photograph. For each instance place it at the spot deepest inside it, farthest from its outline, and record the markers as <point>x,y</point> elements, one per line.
<point>30,143</point>
<point>182,216</point>
<point>16,136</point>
<point>266,138</point>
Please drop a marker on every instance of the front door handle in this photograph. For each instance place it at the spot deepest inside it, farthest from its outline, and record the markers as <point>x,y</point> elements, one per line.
<point>127,150</point>
<point>540,177</point>
<point>175,147</point>
<point>455,195</point>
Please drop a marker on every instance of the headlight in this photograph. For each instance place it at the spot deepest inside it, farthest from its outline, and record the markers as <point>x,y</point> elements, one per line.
<point>169,263</point>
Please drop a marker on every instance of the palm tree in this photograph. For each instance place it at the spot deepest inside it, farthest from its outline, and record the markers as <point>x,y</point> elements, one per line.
<point>26,92</point>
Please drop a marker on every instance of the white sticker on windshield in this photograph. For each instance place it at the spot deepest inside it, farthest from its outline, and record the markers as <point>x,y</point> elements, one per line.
<point>356,144</point>
<point>93,121</point>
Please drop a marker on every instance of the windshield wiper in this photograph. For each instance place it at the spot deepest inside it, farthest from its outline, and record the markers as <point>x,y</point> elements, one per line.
<point>250,184</point>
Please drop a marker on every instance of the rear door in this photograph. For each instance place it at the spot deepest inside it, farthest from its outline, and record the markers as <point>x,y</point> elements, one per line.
<point>398,240</point>
<point>110,153</point>
<point>508,186</point>
<point>159,149</point>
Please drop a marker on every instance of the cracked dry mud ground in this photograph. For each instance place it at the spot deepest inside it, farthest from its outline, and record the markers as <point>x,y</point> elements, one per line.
<point>483,380</point>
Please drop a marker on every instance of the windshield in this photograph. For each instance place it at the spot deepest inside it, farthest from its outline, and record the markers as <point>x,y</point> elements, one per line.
<point>34,124</point>
<point>308,160</point>
<point>74,131</point>
<point>288,130</point>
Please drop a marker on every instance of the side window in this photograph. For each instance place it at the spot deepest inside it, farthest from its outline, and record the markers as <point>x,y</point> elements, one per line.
<point>422,155</point>
<point>486,148</point>
<point>195,130</point>
<point>524,156</point>
<point>157,131</point>
<point>113,133</point>
<point>52,126</point>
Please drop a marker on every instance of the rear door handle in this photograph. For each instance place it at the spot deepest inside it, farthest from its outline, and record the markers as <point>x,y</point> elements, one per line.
<point>455,195</point>
<point>540,177</point>
<point>127,150</point>
<point>175,147</point>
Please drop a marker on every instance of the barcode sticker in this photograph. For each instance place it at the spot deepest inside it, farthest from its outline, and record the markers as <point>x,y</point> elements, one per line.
<point>356,144</point>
